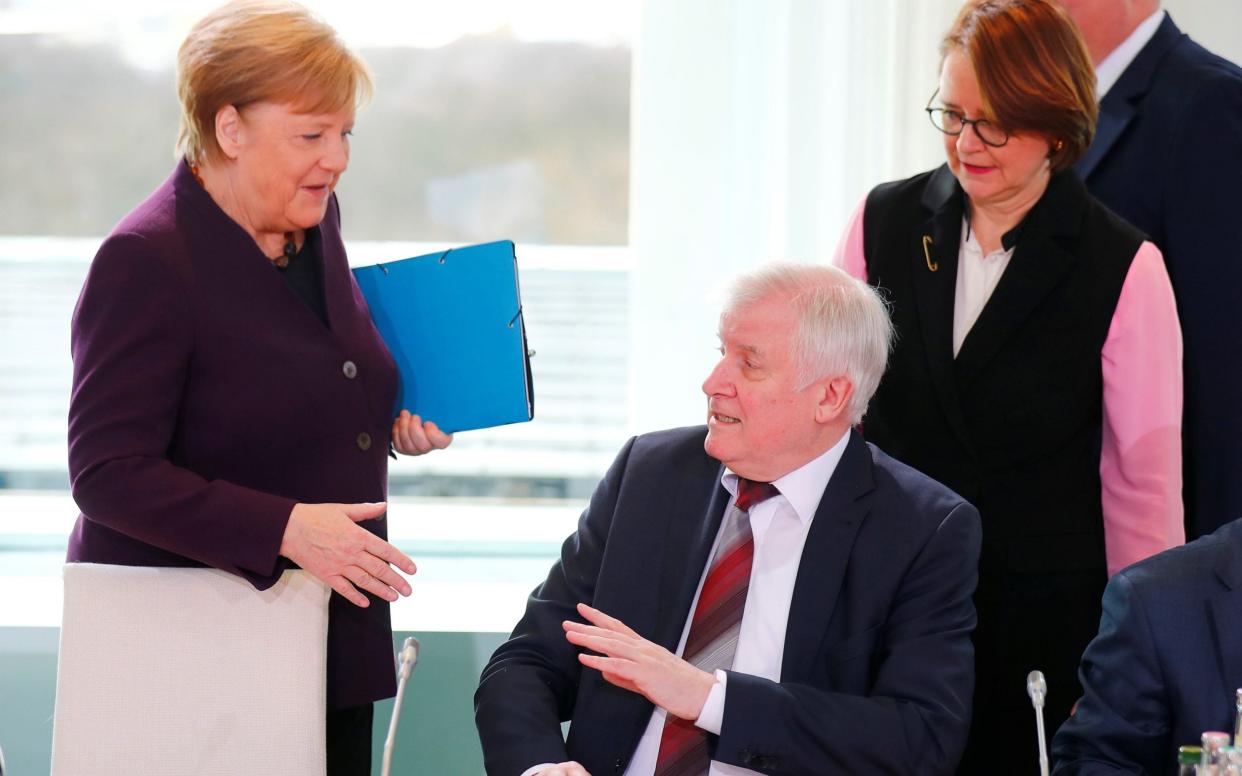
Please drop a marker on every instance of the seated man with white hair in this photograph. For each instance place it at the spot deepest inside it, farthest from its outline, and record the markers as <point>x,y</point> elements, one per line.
<point>765,593</point>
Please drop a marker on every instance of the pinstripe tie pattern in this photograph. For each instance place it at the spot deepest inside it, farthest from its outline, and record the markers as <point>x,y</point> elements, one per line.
<point>715,627</point>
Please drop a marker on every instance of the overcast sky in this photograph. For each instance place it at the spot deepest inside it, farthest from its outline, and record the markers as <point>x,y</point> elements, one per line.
<point>149,31</point>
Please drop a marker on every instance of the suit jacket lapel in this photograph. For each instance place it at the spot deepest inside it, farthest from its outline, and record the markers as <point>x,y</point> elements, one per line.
<point>1224,608</point>
<point>690,532</point>
<point>1037,266</point>
<point>1115,115</point>
<point>937,245</point>
<point>825,557</point>
<point>1120,105</point>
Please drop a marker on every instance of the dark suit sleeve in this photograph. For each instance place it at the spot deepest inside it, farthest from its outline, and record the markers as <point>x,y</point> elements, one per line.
<point>1203,248</point>
<point>529,686</point>
<point>915,718</point>
<point>132,340</point>
<point>1122,723</point>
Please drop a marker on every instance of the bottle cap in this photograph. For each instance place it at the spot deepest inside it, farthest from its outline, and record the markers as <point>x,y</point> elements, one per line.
<point>1189,755</point>
<point>1214,740</point>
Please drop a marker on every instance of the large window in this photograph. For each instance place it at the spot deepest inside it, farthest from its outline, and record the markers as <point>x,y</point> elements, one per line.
<point>490,120</point>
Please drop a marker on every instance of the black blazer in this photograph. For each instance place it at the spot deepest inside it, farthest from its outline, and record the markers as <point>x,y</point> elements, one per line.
<point>1167,157</point>
<point>1165,664</point>
<point>877,659</point>
<point>1012,423</point>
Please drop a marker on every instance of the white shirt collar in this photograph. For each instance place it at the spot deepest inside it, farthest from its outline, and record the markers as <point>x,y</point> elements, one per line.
<point>803,487</point>
<point>1109,71</point>
<point>971,246</point>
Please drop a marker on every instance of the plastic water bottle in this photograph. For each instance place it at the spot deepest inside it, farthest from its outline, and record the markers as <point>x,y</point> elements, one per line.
<point>1237,721</point>
<point>1188,759</point>
<point>1213,762</point>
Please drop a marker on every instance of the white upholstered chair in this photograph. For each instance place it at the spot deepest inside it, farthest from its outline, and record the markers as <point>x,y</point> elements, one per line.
<point>190,672</point>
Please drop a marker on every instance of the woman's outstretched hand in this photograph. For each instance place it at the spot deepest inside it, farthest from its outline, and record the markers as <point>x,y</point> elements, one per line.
<point>325,540</point>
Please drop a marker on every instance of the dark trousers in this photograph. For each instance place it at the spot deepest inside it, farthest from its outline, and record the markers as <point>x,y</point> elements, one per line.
<point>349,741</point>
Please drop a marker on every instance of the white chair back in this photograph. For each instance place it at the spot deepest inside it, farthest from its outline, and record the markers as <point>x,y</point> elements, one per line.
<point>189,671</point>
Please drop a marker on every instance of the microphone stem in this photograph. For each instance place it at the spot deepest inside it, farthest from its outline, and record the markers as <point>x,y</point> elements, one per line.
<point>391,739</point>
<point>409,657</point>
<point>1043,743</point>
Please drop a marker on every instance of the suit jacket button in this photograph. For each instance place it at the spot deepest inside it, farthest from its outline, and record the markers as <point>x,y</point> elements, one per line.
<point>364,441</point>
<point>350,369</point>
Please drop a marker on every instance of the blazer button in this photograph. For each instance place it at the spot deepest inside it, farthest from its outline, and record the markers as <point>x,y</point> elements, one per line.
<point>364,441</point>
<point>350,369</point>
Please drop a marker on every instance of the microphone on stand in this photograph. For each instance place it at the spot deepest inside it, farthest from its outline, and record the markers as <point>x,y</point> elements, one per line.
<point>409,657</point>
<point>1037,688</point>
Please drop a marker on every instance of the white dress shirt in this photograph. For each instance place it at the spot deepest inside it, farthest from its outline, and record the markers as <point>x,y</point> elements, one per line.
<point>779,526</point>
<point>1109,71</point>
<point>977,276</point>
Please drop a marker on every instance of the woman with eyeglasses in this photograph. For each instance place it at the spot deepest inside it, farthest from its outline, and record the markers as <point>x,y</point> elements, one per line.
<point>1037,369</point>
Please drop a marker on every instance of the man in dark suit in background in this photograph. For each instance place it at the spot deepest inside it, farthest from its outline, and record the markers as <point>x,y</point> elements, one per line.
<point>1167,157</point>
<point>769,592</point>
<point>1165,664</point>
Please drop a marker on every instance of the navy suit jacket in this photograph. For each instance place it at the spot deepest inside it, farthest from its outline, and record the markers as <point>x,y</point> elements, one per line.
<point>1165,664</point>
<point>208,399</point>
<point>877,670</point>
<point>1167,157</point>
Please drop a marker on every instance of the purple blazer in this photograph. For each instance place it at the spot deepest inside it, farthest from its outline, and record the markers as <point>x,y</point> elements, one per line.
<point>208,399</point>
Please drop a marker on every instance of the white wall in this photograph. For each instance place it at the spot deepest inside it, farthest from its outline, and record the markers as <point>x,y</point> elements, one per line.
<point>1216,24</point>
<point>757,126</point>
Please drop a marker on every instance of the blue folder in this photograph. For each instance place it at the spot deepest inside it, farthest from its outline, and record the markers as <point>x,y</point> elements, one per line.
<point>453,322</point>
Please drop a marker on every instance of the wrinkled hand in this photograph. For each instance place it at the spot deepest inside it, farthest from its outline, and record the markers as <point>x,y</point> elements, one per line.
<point>632,663</point>
<point>570,768</point>
<point>325,540</point>
<point>411,436</point>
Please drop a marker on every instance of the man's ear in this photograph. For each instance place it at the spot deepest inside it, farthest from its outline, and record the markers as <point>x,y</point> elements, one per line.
<point>834,399</point>
<point>228,131</point>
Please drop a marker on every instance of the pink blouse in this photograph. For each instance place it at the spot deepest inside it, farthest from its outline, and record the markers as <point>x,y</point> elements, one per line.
<point>1141,444</point>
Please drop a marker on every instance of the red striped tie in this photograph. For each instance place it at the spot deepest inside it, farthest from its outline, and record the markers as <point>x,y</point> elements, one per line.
<point>714,627</point>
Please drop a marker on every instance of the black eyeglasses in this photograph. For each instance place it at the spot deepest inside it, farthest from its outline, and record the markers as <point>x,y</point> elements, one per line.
<point>953,123</point>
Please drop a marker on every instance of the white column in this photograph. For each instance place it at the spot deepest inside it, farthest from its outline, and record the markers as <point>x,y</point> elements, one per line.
<point>756,127</point>
<point>701,158</point>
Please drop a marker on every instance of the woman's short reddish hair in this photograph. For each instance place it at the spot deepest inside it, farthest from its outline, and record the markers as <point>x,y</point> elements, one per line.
<point>1034,72</point>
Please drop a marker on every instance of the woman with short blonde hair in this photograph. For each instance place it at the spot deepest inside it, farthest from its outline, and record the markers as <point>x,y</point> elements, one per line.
<point>259,51</point>
<point>232,401</point>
